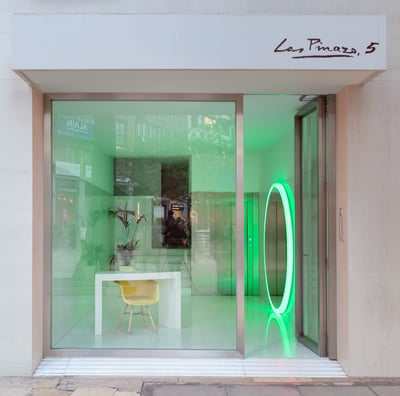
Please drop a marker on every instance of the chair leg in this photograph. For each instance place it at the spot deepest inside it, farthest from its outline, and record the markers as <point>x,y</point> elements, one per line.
<point>130,320</point>
<point>151,318</point>
<point>144,319</point>
<point>122,316</point>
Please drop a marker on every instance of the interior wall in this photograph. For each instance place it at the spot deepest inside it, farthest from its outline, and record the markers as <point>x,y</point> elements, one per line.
<point>252,169</point>
<point>276,164</point>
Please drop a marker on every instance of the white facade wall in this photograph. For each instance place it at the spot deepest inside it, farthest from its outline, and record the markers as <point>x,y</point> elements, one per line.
<point>16,210</point>
<point>368,187</point>
<point>368,267</point>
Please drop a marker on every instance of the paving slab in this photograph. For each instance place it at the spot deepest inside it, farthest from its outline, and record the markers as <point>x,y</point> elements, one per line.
<point>183,390</point>
<point>29,386</point>
<point>338,390</point>
<point>218,390</point>
<point>265,390</point>
<point>94,392</point>
<point>49,392</point>
<point>13,392</point>
<point>48,382</point>
<point>386,390</point>
<point>271,389</point>
<point>120,384</point>
<point>28,382</point>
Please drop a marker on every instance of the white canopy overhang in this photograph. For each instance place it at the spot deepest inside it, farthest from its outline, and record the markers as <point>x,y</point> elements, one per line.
<point>198,53</point>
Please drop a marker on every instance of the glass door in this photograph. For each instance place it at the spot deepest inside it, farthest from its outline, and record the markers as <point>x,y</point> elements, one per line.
<point>310,227</point>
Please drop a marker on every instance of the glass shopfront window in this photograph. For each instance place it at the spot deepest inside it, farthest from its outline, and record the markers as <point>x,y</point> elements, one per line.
<point>143,190</point>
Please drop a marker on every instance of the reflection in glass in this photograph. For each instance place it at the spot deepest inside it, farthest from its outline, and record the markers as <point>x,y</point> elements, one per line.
<point>167,181</point>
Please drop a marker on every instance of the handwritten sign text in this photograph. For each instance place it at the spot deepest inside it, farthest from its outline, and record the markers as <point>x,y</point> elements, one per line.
<point>316,48</point>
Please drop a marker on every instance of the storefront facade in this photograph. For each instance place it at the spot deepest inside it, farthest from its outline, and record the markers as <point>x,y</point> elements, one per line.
<point>125,127</point>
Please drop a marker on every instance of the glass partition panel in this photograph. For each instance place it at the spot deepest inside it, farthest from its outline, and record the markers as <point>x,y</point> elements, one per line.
<point>143,190</point>
<point>310,230</point>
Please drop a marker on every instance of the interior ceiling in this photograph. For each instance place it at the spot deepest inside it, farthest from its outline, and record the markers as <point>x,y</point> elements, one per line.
<point>267,118</point>
<point>271,96</point>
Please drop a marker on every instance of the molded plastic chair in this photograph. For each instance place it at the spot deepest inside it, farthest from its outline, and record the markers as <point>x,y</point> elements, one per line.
<point>140,293</point>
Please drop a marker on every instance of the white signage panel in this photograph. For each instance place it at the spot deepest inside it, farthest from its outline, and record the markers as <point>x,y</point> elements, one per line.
<point>199,42</point>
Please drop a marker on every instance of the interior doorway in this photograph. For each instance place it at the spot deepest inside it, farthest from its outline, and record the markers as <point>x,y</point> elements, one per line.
<point>269,160</point>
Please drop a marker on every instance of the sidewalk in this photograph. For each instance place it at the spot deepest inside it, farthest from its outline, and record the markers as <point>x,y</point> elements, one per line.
<point>178,386</point>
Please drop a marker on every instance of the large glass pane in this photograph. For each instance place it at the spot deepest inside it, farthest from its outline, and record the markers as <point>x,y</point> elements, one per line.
<point>143,190</point>
<point>310,231</point>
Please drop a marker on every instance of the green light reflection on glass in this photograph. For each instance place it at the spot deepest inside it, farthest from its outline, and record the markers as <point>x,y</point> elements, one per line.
<point>286,197</point>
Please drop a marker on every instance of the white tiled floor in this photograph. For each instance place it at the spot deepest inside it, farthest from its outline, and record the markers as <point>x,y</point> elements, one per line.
<point>208,323</point>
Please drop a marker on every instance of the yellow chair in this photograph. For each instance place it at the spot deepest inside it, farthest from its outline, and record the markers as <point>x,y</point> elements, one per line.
<point>140,293</point>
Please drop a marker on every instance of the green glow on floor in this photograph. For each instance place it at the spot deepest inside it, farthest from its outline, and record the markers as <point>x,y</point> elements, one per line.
<point>284,327</point>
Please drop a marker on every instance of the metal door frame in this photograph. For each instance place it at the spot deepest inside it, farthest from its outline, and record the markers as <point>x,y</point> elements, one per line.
<point>45,176</point>
<point>326,107</point>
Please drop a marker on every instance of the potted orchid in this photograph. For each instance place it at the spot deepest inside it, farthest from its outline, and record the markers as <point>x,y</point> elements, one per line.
<point>130,222</point>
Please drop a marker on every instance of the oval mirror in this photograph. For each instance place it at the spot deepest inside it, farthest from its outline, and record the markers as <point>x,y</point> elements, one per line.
<point>278,247</point>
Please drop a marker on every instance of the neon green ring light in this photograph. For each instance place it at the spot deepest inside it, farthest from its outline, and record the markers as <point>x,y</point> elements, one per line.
<point>283,192</point>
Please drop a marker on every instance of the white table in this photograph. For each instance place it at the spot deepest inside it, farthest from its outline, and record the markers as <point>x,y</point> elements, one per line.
<point>169,306</point>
